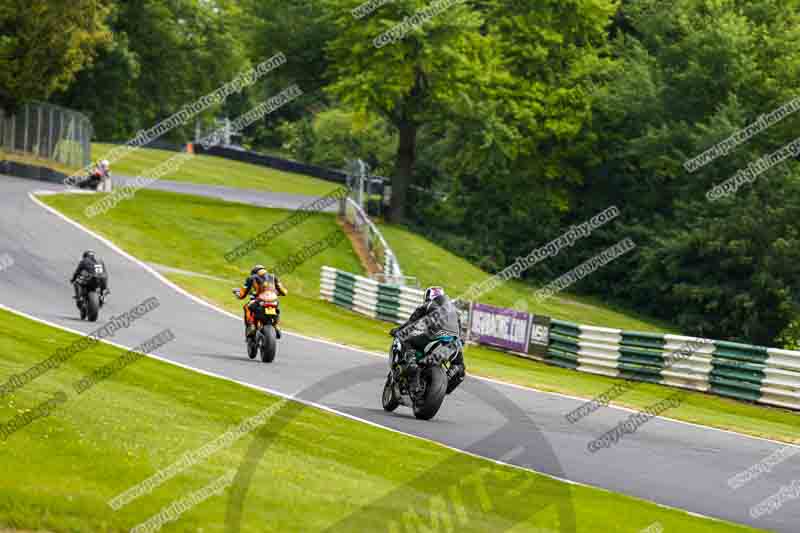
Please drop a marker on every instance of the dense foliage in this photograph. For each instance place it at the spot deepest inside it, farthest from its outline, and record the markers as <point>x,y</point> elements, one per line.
<point>529,116</point>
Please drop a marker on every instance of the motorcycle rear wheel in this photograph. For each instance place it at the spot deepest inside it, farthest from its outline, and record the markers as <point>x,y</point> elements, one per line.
<point>269,344</point>
<point>92,305</point>
<point>435,389</point>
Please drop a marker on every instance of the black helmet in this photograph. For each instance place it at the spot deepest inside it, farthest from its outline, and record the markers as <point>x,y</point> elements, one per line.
<point>89,254</point>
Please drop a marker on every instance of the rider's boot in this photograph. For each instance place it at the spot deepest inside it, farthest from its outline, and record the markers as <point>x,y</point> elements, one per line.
<point>277,332</point>
<point>249,330</point>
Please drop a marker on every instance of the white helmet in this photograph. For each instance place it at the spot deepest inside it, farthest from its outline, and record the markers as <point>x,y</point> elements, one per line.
<point>104,164</point>
<point>431,293</point>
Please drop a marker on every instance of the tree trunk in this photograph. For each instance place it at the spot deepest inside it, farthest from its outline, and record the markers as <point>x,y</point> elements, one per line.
<point>404,167</point>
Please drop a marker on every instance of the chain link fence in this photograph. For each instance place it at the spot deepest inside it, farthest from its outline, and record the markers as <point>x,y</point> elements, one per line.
<point>49,132</point>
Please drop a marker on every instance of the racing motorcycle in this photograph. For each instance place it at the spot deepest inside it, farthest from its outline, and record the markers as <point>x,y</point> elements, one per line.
<point>91,298</point>
<point>265,313</point>
<point>437,376</point>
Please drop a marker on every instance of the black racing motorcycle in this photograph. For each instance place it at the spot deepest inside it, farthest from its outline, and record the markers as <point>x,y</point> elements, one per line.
<point>422,381</point>
<point>91,295</point>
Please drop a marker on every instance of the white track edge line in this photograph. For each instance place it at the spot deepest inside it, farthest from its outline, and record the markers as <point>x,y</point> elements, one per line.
<point>361,420</point>
<point>355,349</point>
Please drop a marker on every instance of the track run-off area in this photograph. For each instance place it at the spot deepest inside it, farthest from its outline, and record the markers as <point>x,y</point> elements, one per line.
<point>672,463</point>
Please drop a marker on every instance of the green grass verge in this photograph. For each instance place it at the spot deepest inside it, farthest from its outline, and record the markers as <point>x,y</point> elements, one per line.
<point>210,170</point>
<point>60,471</point>
<point>193,234</point>
<point>433,265</point>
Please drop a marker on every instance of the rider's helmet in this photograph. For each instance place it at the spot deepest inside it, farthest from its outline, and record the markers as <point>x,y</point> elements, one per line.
<point>258,269</point>
<point>89,254</point>
<point>431,293</point>
<point>104,164</point>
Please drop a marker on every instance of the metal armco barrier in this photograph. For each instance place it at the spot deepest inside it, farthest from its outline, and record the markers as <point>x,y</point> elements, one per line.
<point>755,373</point>
<point>526,335</point>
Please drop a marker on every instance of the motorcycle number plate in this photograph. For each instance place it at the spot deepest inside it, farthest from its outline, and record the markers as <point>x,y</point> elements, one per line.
<point>269,311</point>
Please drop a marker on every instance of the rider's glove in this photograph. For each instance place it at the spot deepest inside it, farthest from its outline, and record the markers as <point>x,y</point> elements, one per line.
<point>237,292</point>
<point>393,332</point>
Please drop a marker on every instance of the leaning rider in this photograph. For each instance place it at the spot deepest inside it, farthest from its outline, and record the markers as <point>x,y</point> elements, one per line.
<point>437,316</point>
<point>259,281</point>
<point>99,174</point>
<point>88,267</point>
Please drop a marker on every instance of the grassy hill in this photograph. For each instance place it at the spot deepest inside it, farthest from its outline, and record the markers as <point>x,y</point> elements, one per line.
<point>433,265</point>
<point>61,470</point>
<point>212,170</point>
<point>193,234</point>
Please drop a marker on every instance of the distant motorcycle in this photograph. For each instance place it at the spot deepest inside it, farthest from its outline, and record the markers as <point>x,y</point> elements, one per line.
<point>265,312</point>
<point>437,378</point>
<point>90,295</point>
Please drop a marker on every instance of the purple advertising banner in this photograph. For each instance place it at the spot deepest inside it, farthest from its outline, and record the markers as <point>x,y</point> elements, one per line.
<point>496,326</point>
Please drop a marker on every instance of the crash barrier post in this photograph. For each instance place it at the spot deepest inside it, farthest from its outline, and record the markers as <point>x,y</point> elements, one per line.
<point>49,132</point>
<point>745,372</point>
<point>372,238</point>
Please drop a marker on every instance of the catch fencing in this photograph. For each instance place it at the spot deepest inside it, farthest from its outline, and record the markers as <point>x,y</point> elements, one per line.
<point>48,131</point>
<point>745,372</point>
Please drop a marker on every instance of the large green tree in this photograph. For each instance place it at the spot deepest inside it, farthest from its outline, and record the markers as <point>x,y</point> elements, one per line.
<point>164,54</point>
<point>44,43</point>
<point>411,81</point>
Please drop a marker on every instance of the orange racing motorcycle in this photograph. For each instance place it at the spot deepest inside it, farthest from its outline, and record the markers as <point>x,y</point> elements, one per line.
<point>265,314</point>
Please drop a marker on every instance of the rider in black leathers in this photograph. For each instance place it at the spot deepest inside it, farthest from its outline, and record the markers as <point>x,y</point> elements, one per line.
<point>90,266</point>
<point>437,316</point>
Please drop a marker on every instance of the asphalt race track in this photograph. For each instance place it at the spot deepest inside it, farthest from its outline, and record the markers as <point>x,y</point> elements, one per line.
<point>670,463</point>
<point>275,200</point>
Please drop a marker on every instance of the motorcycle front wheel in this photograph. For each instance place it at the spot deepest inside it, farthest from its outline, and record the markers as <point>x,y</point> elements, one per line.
<point>388,398</point>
